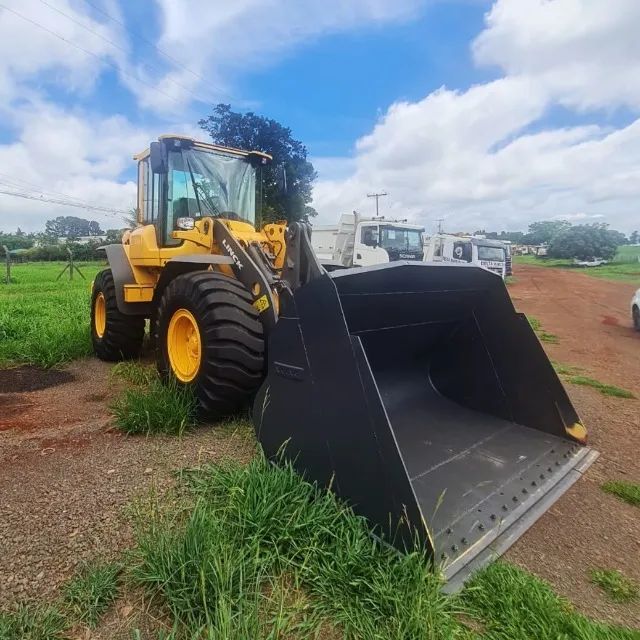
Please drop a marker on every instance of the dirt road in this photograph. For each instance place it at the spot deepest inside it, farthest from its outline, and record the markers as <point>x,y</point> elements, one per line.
<point>66,476</point>
<point>588,528</point>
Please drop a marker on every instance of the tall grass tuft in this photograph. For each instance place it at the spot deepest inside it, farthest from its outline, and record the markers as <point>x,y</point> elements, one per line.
<point>616,585</point>
<point>44,622</point>
<point>257,549</point>
<point>89,594</point>
<point>514,605</point>
<point>155,408</point>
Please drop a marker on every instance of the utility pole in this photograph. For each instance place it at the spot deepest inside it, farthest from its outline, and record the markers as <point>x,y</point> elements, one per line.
<point>377,196</point>
<point>439,221</point>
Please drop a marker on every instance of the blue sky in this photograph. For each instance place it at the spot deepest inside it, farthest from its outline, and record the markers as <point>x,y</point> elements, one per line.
<point>488,113</point>
<point>332,91</point>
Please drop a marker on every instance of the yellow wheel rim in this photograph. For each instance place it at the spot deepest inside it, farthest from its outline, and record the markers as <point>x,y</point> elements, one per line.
<point>183,345</point>
<point>100,315</point>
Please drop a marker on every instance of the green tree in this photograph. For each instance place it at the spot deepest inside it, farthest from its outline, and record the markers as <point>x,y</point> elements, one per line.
<point>544,231</point>
<point>586,242</point>
<point>71,227</point>
<point>16,240</point>
<point>114,236</point>
<point>258,133</point>
<point>634,238</point>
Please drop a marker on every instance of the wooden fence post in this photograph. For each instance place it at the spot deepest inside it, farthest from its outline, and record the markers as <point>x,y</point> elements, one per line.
<point>8,257</point>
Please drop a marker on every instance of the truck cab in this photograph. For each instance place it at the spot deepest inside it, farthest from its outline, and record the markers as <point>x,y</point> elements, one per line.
<point>489,254</point>
<point>379,241</point>
<point>357,241</point>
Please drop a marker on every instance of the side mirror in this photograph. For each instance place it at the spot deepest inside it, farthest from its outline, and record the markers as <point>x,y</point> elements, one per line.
<point>158,157</point>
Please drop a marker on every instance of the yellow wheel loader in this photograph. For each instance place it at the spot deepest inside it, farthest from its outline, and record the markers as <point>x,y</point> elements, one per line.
<point>414,390</point>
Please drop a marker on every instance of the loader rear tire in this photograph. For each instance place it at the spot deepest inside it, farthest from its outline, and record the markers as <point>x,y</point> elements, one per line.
<point>115,336</point>
<point>209,338</point>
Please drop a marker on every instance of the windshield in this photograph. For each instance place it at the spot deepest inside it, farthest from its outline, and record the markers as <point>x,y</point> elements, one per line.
<point>400,238</point>
<point>496,254</point>
<point>210,184</point>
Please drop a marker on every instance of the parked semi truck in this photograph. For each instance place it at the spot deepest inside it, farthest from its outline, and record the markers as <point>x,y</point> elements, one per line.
<point>489,254</point>
<point>358,241</point>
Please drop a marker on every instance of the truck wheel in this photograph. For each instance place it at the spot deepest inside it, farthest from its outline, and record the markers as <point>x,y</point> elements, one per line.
<point>209,338</point>
<point>636,318</point>
<point>114,335</point>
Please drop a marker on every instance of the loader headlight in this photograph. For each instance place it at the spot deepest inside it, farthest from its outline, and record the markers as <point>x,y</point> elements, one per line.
<point>186,224</point>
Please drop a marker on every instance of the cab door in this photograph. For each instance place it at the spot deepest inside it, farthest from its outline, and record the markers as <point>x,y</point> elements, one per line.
<point>367,250</point>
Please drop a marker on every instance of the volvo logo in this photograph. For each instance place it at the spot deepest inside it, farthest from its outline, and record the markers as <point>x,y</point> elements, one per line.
<point>232,253</point>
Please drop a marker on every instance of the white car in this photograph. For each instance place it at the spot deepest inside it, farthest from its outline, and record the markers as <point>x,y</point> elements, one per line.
<point>635,310</point>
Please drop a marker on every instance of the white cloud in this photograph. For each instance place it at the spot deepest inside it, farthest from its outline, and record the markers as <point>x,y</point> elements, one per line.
<point>471,156</point>
<point>586,53</point>
<point>71,154</point>
<point>29,50</point>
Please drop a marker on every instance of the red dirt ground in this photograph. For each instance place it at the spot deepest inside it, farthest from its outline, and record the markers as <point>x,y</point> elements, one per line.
<point>66,476</point>
<point>588,528</point>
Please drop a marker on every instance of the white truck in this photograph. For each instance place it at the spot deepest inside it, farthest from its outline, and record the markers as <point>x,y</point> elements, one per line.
<point>490,254</point>
<point>357,241</point>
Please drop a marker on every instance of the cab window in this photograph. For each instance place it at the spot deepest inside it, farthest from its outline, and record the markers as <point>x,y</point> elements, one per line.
<point>369,236</point>
<point>150,185</point>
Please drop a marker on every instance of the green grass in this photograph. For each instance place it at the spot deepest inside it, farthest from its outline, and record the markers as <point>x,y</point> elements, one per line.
<point>627,491</point>
<point>256,552</point>
<point>624,267</point>
<point>155,408</point>
<point>616,585</point>
<point>134,372</point>
<point>89,594</point>
<point>575,375</point>
<point>45,322</point>
<point>566,369</point>
<point>44,622</point>
<point>604,389</point>
<point>544,336</point>
<point>514,605</point>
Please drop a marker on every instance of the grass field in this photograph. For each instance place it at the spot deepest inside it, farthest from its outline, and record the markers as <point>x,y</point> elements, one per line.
<point>254,551</point>
<point>44,321</point>
<point>625,266</point>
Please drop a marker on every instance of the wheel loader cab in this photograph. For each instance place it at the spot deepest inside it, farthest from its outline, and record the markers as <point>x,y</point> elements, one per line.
<point>180,180</point>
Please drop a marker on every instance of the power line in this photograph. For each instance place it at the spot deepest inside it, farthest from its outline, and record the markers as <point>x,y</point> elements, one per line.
<point>158,49</point>
<point>117,46</point>
<point>90,53</point>
<point>19,183</point>
<point>66,203</point>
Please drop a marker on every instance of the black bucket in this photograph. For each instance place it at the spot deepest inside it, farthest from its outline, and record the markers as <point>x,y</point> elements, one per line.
<point>426,402</point>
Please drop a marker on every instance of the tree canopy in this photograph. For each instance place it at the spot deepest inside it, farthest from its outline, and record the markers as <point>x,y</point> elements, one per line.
<point>543,231</point>
<point>586,242</point>
<point>257,133</point>
<point>72,227</point>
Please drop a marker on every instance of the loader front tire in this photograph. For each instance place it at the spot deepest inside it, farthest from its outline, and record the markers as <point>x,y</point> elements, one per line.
<point>209,338</point>
<point>115,336</point>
